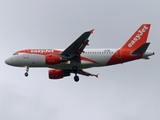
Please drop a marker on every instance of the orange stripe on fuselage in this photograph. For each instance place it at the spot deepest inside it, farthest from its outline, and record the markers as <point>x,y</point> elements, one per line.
<point>124,57</point>
<point>86,59</point>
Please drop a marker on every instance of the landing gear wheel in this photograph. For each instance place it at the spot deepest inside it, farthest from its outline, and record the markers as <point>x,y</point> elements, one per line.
<point>26,74</point>
<point>76,78</point>
<point>27,69</point>
<point>74,69</point>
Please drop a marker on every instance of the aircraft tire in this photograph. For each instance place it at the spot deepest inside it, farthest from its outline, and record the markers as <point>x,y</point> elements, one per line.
<point>76,78</point>
<point>26,74</point>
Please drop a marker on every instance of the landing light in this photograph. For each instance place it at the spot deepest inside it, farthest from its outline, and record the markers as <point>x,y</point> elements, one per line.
<point>67,62</point>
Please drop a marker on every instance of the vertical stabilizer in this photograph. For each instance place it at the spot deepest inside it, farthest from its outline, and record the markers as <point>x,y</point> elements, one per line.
<point>138,38</point>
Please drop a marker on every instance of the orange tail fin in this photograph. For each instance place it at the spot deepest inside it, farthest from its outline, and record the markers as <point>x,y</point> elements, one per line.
<point>138,38</point>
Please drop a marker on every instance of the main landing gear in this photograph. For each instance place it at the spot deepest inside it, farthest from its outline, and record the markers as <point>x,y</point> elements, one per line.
<point>26,73</point>
<point>75,69</point>
<point>76,78</point>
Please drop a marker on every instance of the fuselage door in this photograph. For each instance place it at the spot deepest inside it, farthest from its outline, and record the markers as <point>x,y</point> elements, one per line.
<point>119,53</point>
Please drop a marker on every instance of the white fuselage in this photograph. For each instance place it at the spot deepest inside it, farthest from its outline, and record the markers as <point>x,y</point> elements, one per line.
<point>90,58</point>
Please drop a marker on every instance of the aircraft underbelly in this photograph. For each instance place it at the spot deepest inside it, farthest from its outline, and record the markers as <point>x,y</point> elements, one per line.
<point>32,60</point>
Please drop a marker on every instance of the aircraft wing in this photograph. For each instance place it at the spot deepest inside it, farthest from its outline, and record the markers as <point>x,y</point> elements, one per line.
<point>86,73</point>
<point>77,47</point>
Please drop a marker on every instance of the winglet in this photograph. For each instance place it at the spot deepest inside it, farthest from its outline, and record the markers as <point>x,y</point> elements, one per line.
<point>97,75</point>
<point>94,75</point>
<point>91,31</point>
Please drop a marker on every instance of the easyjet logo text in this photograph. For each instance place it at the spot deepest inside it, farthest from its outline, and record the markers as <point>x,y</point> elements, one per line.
<point>138,36</point>
<point>42,51</point>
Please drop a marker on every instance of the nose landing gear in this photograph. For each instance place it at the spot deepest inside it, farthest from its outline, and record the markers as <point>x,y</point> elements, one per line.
<point>26,73</point>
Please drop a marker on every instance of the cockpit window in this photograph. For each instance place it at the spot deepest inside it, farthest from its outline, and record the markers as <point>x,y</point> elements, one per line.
<point>15,54</point>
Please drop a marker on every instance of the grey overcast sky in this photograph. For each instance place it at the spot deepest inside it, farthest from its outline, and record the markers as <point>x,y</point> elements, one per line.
<point>122,92</point>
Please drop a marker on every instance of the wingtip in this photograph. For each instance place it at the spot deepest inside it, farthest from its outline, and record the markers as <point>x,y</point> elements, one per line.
<point>91,31</point>
<point>96,75</point>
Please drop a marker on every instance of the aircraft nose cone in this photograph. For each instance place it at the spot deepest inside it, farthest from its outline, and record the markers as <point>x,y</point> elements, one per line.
<point>8,61</point>
<point>153,53</point>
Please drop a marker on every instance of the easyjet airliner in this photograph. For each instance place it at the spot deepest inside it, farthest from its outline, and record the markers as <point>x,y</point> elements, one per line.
<point>75,58</point>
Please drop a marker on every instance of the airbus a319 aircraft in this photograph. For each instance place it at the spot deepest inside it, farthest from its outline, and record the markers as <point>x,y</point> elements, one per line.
<point>75,58</point>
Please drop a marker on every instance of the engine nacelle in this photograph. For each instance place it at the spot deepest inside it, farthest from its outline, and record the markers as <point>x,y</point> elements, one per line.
<point>53,59</point>
<point>57,74</point>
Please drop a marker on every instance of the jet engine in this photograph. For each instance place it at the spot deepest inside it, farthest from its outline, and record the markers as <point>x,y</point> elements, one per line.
<point>57,74</point>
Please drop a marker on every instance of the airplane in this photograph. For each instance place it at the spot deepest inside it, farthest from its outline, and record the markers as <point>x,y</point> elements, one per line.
<point>75,58</point>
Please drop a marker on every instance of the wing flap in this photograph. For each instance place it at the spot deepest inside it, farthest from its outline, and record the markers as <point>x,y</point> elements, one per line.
<point>86,73</point>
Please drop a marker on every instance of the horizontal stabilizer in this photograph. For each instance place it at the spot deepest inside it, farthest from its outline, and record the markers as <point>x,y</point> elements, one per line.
<point>142,49</point>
